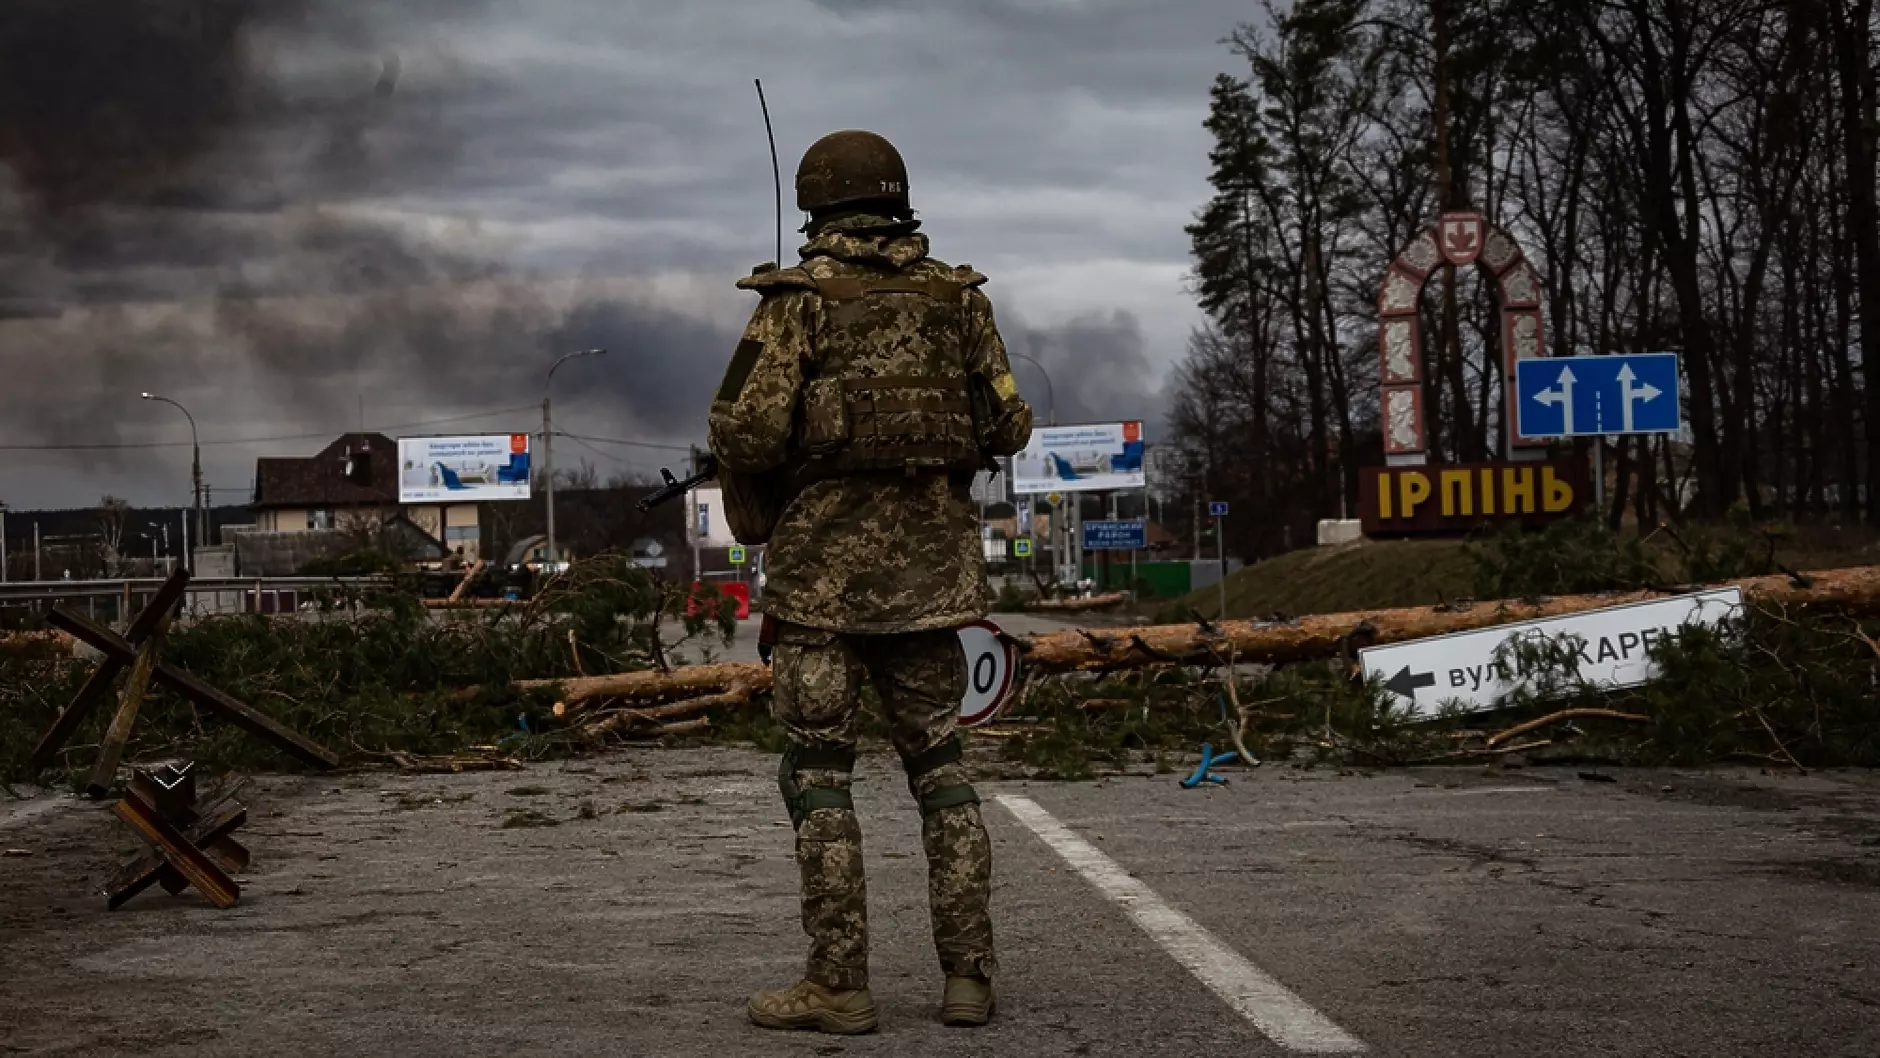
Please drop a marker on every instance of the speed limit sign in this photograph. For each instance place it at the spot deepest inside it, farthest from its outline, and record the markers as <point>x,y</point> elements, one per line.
<point>990,663</point>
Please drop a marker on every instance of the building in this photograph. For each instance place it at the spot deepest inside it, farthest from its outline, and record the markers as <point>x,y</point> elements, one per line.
<point>350,490</point>
<point>708,534</point>
<point>1165,468</point>
<point>104,541</point>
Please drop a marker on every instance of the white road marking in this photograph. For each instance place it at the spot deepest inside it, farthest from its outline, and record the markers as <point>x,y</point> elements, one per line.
<point>1282,1016</point>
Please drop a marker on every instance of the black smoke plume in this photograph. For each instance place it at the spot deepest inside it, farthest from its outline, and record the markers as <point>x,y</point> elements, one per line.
<point>176,184</point>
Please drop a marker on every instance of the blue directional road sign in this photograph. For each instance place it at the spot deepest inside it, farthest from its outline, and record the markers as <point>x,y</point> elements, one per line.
<point>1116,536</point>
<point>1217,509</point>
<point>1585,396</point>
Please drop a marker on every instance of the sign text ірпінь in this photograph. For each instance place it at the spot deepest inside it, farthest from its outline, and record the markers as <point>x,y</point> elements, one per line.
<point>1456,499</point>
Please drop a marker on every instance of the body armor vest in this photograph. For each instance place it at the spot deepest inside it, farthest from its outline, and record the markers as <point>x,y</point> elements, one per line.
<point>891,390</point>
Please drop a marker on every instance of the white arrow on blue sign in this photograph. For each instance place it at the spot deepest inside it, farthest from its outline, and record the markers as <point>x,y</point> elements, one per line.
<point>1217,509</point>
<point>1585,396</point>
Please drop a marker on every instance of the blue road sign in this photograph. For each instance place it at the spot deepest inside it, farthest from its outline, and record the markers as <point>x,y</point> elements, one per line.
<point>1584,396</point>
<point>1217,508</point>
<point>1116,536</point>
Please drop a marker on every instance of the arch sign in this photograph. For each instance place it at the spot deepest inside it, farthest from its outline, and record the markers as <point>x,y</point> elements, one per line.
<point>1460,239</point>
<point>990,665</point>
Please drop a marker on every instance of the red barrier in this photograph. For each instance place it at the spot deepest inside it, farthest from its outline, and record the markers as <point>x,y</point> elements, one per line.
<point>735,589</point>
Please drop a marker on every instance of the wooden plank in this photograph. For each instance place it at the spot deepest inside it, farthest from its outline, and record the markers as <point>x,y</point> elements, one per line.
<point>76,711</point>
<point>469,575</point>
<point>160,606</point>
<point>228,852</point>
<point>211,832</point>
<point>235,712</point>
<point>202,872</point>
<point>177,801</point>
<point>111,749</point>
<point>92,692</point>
<point>250,720</point>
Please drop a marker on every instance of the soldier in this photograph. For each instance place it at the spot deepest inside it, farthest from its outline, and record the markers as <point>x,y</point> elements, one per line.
<point>869,387</point>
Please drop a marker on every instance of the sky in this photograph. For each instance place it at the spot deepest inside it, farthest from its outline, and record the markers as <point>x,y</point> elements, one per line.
<point>300,217</point>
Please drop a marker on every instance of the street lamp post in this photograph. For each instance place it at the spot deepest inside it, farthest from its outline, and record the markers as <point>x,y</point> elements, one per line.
<point>1050,393</point>
<point>3,543</point>
<point>1050,396</point>
<point>195,475</point>
<point>548,443</point>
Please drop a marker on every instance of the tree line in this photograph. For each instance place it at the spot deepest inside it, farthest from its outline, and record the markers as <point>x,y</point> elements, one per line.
<point>1688,175</point>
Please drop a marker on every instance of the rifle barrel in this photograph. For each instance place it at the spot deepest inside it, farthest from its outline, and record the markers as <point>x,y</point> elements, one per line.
<point>675,487</point>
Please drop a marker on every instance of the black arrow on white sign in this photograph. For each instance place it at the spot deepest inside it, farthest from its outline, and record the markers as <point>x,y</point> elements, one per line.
<point>1405,683</point>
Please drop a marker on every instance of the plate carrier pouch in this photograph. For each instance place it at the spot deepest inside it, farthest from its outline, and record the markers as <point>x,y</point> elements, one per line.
<point>889,396</point>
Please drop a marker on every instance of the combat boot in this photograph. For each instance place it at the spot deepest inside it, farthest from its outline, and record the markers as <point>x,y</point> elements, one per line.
<point>966,1001</point>
<point>808,1005</point>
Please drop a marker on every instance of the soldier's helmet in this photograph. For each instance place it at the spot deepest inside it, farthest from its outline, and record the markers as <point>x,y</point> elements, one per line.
<point>851,166</point>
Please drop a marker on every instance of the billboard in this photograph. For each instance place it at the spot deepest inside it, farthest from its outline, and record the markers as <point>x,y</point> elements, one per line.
<point>1097,457</point>
<point>466,469</point>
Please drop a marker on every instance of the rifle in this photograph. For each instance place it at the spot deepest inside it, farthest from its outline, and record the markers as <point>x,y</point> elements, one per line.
<point>676,487</point>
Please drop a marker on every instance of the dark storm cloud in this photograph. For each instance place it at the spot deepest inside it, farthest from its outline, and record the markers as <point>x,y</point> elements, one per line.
<point>423,202</point>
<point>1097,368</point>
<point>661,368</point>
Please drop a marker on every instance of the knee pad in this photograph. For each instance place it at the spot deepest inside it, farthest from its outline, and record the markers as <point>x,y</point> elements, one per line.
<point>945,797</point>
<point>801,801</point>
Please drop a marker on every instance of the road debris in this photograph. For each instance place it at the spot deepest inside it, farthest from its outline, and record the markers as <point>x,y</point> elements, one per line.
<point>1564,714</point>
<point>644,722</point>
<point>138,649</point>
<point>451,764</point>
<point>190,844</point>
<point>1319,636</point>
<point>1202,771</point>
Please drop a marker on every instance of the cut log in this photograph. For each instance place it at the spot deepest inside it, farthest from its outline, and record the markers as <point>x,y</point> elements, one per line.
<point>1852,591</point>
<point>469,575</point>
<point>1855,591</point>
<point>688,681</point>
<point>627,720</point>
<point>681,728</point>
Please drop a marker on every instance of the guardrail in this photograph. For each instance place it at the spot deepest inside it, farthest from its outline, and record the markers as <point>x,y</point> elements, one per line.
<point>116,599</point>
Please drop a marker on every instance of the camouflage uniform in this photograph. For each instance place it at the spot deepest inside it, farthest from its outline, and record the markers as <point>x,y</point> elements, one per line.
<point>868,574</point>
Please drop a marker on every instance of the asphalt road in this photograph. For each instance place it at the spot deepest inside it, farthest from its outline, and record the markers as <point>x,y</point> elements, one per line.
<point>1451,913</point>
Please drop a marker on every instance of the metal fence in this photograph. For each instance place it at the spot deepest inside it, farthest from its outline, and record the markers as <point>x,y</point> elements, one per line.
<point>114,601</point>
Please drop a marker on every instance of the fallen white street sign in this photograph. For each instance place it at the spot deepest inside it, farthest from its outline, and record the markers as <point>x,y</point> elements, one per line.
<point>990,663</point>
<point>1479,669</point>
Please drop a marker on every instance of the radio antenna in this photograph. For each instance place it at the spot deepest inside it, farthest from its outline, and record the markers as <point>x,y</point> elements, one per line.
<point>776,175</point>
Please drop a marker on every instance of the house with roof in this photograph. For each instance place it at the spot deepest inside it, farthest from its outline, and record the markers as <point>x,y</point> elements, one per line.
<point>350,489</point>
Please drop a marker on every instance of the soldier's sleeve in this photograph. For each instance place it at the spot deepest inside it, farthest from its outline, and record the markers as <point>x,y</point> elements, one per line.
<point>754,410</point>
<point>1007,424</point>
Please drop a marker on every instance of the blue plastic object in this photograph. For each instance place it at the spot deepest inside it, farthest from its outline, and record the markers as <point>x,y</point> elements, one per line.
<point>1208,760</point>
<point>522,721</point>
